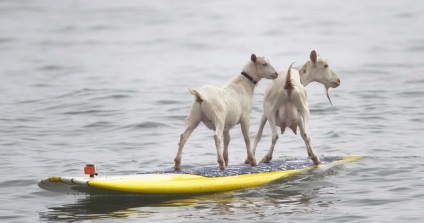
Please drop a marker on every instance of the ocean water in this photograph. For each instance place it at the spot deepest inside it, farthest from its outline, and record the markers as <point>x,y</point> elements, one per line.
<point>106,82</point>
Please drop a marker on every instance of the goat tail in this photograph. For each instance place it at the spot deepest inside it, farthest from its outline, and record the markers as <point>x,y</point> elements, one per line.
<point>196,94</point>
<point>289,85</point>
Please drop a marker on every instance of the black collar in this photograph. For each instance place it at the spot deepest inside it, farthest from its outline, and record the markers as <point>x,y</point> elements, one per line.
<point>249,77</point>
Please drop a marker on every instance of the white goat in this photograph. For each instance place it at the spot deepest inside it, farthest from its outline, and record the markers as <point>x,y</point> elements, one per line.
<point>286,104</point>
<point>220,109</point>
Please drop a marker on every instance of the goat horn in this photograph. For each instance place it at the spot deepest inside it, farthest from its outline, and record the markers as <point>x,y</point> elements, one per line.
<point>326,92</point>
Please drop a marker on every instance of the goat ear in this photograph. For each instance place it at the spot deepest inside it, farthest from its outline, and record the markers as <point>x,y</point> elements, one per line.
<point>313,56</point>
<point>253,58</point>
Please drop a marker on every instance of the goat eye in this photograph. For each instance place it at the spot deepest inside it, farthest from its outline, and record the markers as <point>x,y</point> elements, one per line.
<point>326,65</point>
<point>265,64</point>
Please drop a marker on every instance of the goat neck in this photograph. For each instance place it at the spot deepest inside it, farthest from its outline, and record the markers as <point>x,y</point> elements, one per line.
<point>305,74</point>
<point>249,69</point>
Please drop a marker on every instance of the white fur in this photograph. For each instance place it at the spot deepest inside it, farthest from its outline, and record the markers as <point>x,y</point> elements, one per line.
<point>220,109</point>
<point>283,110</point>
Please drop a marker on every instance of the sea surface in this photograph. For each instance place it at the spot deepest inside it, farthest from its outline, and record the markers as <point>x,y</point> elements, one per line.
<point>106,82</point>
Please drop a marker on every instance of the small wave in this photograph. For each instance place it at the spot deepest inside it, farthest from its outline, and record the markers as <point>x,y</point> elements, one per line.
<point>92,111</point>
<point>42,85</point>
<point>102,27</point>
<point>412,93</point>
<point>416,120</point>
<point>84,91</point>
<point>51,68</point>
<point>421,81</point>
<point>324,110</point>
<point>30,101</point>
<point>74,97</point>
<point>332,134</point>
<point>113,96</point>
<point>374,94</point>
<point>6,40</point>
<point>144,125</point>
<point>168,102</point>
<point>385,66</point>
<point>16,183</point>
<point>90,91</point>
<point>99,124</point>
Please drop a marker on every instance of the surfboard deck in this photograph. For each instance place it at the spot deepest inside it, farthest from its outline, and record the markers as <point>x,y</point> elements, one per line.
<point>196,180</point>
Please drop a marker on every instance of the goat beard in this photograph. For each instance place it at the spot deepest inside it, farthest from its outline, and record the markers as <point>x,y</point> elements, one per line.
<point>328,96</point>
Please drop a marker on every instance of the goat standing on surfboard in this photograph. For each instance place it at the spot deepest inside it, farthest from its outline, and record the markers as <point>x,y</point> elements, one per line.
<point>286,102</point>
<point>220,109</point>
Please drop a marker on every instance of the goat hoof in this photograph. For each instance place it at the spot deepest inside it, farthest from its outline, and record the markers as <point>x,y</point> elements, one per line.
<point>177,165</point>
<point>221,164</point>
<point>316,160</point>
<point>253,162</point>
<point>266,159</point>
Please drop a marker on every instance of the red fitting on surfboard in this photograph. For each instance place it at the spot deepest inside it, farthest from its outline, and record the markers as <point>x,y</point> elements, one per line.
<point>90,169</point>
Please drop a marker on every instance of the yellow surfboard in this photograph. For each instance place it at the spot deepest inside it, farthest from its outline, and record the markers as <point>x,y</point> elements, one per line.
<point>198,180</point>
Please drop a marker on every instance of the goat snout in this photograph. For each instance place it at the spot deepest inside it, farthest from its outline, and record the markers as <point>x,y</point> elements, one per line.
<point>336,83</point>
<point>274,75</point>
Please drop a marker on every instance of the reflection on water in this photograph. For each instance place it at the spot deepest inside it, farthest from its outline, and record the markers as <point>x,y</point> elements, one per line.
<point>113,206</point>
